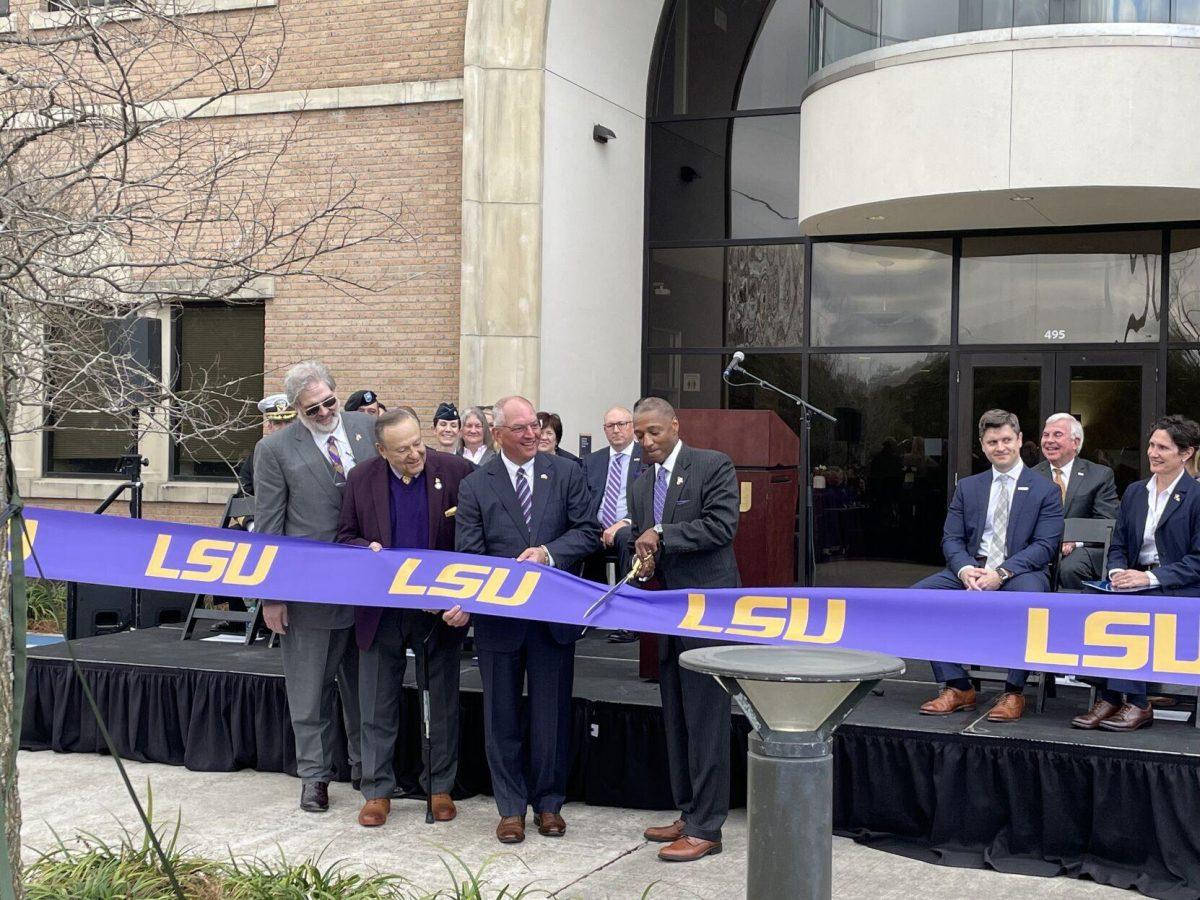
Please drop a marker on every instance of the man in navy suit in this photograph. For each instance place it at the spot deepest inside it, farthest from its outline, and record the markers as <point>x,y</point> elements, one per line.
<point>535,507</point>
<point>610,472</point>
<point>1002,531</point>
<point>1155,549</point>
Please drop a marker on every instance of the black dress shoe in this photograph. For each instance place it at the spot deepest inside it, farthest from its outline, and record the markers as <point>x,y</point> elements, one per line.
<point>356,783</point>
<point>621,636</point>
<point>314,797</point>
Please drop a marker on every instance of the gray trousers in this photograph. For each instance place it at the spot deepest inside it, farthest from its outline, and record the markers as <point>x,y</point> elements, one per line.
<point>381,679</point>
<point>316,662</point>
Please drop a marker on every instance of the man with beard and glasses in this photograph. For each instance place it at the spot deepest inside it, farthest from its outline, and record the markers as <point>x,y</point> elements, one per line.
<point>300,473</point>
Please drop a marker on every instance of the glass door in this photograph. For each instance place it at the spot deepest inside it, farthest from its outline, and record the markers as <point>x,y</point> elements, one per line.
<point>1022,383</point>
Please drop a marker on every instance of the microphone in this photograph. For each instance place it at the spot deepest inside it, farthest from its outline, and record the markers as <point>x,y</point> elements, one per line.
<point>738,356</point>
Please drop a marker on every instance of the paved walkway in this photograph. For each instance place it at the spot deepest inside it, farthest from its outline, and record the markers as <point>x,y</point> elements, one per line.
<point>602,854</point>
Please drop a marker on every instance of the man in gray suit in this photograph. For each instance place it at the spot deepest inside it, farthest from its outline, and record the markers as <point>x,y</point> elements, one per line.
<point>684,510</point>
<point>300,473</point>
<point>1089,491</point>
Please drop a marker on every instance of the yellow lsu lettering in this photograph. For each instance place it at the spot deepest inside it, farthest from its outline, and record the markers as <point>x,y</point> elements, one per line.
<point>1159,637</point>
<point>29,533</point>
<point>465,581</point>
<point>769,617</point>
<point>210,560</point>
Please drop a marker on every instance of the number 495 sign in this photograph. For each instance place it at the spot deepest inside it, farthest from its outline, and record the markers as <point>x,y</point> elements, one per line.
<point>1055,334</point>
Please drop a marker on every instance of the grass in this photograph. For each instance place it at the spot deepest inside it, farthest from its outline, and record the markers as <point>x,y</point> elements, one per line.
<point>91,868</point>
<point>47,605</point>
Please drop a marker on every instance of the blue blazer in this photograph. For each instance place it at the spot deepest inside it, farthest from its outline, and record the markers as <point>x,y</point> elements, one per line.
<point>1177,536</point>
<point>1035,523</point>
<point>595,466</point>
<point>490,523</point>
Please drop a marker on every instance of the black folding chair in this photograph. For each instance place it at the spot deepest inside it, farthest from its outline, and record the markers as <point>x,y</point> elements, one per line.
<point>239,514</point>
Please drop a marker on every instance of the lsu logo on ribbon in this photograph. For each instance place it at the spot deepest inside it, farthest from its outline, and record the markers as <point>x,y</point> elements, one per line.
<point>464,581</point>
<point>769,618</point>
<point>27,538</point>
<point>211,560</point>
<point>1152,637</point>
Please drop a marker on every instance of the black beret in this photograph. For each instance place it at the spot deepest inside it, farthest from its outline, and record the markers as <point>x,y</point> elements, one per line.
<point>360,398</point>
<point>447,412</point>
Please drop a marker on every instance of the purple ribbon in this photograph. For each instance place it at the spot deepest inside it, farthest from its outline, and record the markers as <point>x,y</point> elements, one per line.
<point>1139,637</point>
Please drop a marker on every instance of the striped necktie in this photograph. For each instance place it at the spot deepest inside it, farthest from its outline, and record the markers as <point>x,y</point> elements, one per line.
<point>660,494</point>
<point>997,553</point>
<point>524,497</point>
<point>612,490</point>
<point>335,457</point>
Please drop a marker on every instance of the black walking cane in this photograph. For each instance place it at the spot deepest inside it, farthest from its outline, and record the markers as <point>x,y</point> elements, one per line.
<point>426,738</point>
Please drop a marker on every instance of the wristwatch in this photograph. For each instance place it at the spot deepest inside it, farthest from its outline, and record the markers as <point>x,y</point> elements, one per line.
<point>1004,575</point>
<point>658,530</point>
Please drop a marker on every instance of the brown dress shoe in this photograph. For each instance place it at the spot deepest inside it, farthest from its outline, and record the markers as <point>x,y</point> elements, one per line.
<point>689,849</point>
<point>1008,708</point>
<point>374,812</point>
<point>949,700</point>
<point>550,824</point>
<point>443,808</point>
<point>1091,720</point>
<point>665,834</point>
<point>1129,718</point>
<point>511,830</point>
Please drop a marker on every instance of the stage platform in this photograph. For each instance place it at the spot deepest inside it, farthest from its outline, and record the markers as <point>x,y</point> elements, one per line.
<point>1036,797</point>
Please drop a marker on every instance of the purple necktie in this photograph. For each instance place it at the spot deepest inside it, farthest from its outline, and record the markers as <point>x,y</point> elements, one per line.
<point>524,497</point>
<point>339,468</point>
<point>660,494</point>
<point>612,490</point>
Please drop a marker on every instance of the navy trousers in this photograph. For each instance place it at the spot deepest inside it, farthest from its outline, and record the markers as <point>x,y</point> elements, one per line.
<point>946,580</point>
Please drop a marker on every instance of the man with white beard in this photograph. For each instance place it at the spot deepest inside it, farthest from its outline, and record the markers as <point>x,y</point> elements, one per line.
<point>300,473</point>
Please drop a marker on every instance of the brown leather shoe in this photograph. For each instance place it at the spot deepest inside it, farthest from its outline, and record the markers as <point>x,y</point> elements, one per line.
<point>374,812</point>
<point>949,700</point>
<point>665,834</point>
<point>1091,720</point>
<point>443,808</point>
<point>511,830</point>
<point>1008,708</point>
<point>1129,718</point>
<point>550,824</point>
<point>689,849</point>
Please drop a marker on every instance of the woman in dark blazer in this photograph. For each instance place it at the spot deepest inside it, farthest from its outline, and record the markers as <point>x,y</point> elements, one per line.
<point>1156,549</point>
<point>550,436</point>
<point>475,437</point>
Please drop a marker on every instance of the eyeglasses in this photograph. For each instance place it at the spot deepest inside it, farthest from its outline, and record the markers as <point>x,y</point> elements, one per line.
<point>531,428</point>
<point>327,403</point>
<point>611,426</point>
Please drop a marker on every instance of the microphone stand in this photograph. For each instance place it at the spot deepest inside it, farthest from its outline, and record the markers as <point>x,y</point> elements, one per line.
<point>807,411</point>
<point>130,465</point>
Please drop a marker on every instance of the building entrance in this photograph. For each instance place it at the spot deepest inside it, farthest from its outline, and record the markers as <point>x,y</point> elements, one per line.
<point>1110,391</point>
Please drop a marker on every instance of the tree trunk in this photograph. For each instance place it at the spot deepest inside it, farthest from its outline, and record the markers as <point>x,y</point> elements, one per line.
<point>8,745</point>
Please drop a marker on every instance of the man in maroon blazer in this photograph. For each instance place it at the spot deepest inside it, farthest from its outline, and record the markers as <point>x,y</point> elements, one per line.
<point>406,497</point>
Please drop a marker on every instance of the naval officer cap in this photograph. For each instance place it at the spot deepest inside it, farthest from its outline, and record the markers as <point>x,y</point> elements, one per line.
<point>275,407</point>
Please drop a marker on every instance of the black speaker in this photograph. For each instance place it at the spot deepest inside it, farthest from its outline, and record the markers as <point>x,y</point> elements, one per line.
<point>135,343</point>
<point>163,608</point>
<point>94,609</point>
<point>849,425</point>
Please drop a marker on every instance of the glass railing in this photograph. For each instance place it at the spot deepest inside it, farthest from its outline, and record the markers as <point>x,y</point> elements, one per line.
<point>842,28</point>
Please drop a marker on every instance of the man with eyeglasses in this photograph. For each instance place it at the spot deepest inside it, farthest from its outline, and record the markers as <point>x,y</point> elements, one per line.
<point>300,474</point>
<point>609,473</point>
<point>535,507</point>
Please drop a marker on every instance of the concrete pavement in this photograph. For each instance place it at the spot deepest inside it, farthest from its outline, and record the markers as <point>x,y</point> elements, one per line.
<point>602,854</point>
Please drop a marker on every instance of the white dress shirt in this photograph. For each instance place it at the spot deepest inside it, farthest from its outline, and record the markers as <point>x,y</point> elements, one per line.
<point>668,463</point>
<point>622,498</point>
<point>527,468</point>
<point>475,455</point>
<point>343,444</point>
<point>1066,474</point>
<point>1013,475</point>
<point>1157,503</point>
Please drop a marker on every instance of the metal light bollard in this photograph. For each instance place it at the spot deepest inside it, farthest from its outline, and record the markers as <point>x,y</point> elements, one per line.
<point>794,698</point>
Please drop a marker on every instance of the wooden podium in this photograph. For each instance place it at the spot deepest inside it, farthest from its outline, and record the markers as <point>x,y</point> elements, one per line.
<point>766,454</point>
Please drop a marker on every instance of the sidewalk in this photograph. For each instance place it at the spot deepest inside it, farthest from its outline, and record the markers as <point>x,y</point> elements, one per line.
<point>602,854</point>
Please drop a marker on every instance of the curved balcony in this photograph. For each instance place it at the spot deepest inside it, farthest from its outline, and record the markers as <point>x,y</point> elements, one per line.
<point>1067,124</point>
<point>846,28</point>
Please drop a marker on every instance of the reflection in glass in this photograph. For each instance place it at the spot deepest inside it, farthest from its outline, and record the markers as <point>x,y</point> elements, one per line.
<point>685,306</point>
<point>1123,11</point>
<point>1107,401</point>
<point>688,381</point>
<point>908,20</point>
<point>1017,389</point>
<point>1183,383</point>
<point>1047,289</point>
<point>765,305</point>
<point>699,192</point>
<point>1184,281</point>
<point>879,476</point>
<point>775,73</point>
<point>884,293</point>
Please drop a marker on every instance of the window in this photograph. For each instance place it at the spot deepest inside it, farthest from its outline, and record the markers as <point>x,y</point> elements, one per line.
<point>1044,289</point>
<point>218,345</point>
<point>883,292</point>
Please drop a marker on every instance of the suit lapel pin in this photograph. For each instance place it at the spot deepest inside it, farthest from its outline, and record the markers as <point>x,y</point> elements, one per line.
<point>449,514</point>
<point>1176,498</point>
<point>679,481</point>
<point>437,483</point>
<point>358,437</point>
<point>545,477</point>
